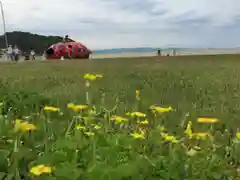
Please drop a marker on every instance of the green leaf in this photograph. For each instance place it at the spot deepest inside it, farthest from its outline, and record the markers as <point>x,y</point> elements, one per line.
<point>68,143</point>
<point>216,175</point>
<point>2,175</point>
<point>67,171</point>
<point>3,160</point>
<point>126,170</point>
<point>99,171</point>
<point>59,156</point>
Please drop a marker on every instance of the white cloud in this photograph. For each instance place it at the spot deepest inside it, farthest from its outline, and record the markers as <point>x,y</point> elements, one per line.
<point>220,12</point>
<point>115,23</point>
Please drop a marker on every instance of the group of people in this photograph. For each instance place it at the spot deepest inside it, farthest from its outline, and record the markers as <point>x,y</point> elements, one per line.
<point>27,56</point>
<point>13,54</point>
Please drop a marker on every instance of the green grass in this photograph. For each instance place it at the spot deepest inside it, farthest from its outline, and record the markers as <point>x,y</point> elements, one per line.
<point>197,86</point>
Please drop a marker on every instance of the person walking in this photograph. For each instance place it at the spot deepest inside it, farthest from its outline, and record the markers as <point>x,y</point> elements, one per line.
<point>10,53</point>
<point>16,53</point>
<point>44,55</point>
<point>159,52</point>
<point>32,54</point>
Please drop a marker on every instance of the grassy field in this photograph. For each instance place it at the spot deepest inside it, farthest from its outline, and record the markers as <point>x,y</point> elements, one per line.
<point>181,124</point>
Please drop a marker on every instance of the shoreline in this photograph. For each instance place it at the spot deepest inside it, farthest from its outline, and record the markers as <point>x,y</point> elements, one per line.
<point>184,52</point>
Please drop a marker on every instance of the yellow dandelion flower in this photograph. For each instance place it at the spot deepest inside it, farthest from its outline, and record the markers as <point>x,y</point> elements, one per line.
<point>27,127</point>
<point>23,126</point>
<point>96,126</point>
<point>161,109</point>
<point>80,127</point>
<point>70,105</point>
<point>18,121</point>
<point>118,119</point>
<point>138,94</point>
<point>169,138</point>
<point>188,130</point>
<point>79,107</point>
<point>51,108</point>
<point>145,122</point>
<point>204,120</point>
<point>238,135</point>
<point>89,77</point>
<point>89,133</point>
<point>138,135</point>
<point>41,169</point>
<point>92,77</point>
<point>17,124</point>
<point>162,128</point>
<point>136,114</point>
<point>201,135</point>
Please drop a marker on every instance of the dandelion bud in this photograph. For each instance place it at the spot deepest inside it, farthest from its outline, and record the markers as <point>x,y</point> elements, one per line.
<point>138,94</point>
<point>87,84</point>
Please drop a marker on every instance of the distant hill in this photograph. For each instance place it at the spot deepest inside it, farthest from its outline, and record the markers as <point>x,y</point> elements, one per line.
<point>25,41</point>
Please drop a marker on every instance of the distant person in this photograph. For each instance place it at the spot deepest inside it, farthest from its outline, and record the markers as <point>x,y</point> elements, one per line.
<point>32,54</point>
<point>159,52</point>
<point>16,53</point>
<point>5,56</point>
<point>66,38</point>
<point>44,55</point>
<point>90,56</point>
<point>174,52</point>
<point>10,53</point>
<point>26,56</point>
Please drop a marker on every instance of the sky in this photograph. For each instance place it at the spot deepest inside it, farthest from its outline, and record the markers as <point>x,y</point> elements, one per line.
<point>104,24</point>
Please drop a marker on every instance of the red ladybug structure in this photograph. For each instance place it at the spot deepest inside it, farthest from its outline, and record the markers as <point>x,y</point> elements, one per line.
<point>69,49</point>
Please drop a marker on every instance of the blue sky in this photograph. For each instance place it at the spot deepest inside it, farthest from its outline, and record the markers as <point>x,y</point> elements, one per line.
<point>130,23</point>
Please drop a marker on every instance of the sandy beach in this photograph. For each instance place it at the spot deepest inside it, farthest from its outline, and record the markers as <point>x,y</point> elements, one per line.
<point>179,53</point>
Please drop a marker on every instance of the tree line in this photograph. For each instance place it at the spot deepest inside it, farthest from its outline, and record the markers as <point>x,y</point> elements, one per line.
<point>26,41</point>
